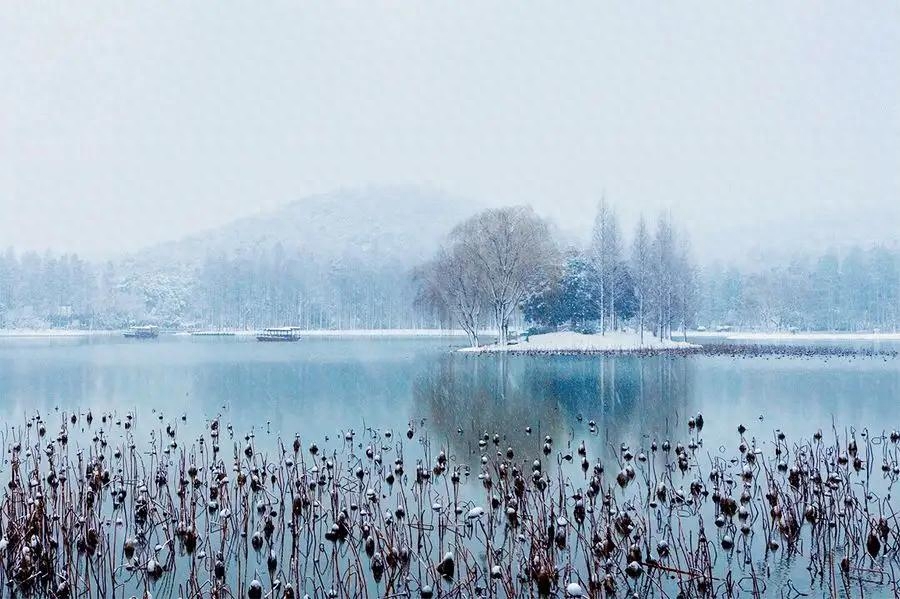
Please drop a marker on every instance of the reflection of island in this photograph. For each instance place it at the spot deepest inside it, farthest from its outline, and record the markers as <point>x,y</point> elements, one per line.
<point>630,398</point>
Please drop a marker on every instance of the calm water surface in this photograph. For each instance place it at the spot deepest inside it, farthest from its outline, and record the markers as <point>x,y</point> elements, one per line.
<point>319,387</point>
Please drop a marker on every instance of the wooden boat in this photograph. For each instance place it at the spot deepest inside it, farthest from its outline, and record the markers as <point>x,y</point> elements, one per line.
<point>143,332</point>
<point>279,334</point>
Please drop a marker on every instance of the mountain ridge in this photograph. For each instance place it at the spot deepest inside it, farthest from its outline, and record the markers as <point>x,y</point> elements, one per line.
<point>397,225</point>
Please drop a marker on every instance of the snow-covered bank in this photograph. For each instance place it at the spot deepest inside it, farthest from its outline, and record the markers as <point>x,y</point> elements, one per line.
<point>56,333</point>
<point>383,333</point>
<point>238,332</point>
<point>788,336</point>
<point>342,333</point>
<point>576,343</point>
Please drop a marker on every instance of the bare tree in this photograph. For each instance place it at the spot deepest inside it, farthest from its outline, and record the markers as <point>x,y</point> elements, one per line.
<point>616,273</point>
<point>663,275</point>
<point>686,280</point>
<point>640,269</point>
<point>514,252</point>
<point>600,258</point>
<point>453,282</point>
<point>607,262</point>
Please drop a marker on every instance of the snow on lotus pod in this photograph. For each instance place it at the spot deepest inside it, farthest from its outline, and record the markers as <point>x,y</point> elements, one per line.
<point>154,568</point>
<point>446,568</point>
<point>634,570</point>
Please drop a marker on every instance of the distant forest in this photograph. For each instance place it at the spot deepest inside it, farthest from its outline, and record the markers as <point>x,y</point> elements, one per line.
<point>854,290</point>
<point>857,290</point>
<point>270,287</point>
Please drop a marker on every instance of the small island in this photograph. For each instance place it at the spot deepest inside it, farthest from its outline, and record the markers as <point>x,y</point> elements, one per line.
<point>573,342</point>
<point>504,266</point>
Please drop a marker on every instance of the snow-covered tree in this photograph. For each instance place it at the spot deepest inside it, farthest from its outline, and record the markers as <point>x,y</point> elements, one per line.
<point>608,264</point>
<point>568,299</point>
<point>514,252</point>
<point>600,258</point>
<point>641,256</point>
<point>662,277</point>
<point>453,281</point>
<point>687,288</point>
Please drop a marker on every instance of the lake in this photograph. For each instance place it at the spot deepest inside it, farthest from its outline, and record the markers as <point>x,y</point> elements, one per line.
<point>325,389</point>
<point>319,387</point>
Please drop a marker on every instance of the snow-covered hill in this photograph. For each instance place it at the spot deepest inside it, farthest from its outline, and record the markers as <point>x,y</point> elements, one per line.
<point>374,227</point>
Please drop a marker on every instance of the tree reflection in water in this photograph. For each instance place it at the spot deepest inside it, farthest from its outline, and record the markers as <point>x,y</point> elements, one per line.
<point>628,397</point>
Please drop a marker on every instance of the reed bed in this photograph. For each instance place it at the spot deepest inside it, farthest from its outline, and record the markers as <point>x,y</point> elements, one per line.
<point>120,506</point>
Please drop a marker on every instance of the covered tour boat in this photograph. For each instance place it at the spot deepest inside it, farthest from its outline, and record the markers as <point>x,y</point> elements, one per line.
<point>279,334</point>
<point>143,332</point>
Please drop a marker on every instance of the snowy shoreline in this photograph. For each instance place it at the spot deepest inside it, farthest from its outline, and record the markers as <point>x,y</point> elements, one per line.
<point>788,336</point>
<point>569,342</point>
<point>339,333</point>
<point>606,346</point>
<point>52,333</point>
<point>383,333</point>
<point>46,333</point>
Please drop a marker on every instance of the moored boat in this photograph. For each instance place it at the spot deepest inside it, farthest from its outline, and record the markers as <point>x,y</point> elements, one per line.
<point>279,334</point>
<point>143,332</point>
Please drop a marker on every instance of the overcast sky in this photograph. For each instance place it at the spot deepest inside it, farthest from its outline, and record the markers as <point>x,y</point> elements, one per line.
<point>123,124</point>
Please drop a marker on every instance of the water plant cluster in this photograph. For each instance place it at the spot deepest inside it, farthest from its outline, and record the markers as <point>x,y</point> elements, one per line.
<point>117,505</point>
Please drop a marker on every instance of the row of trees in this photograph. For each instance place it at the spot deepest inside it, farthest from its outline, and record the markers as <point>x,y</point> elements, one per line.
<point>858,290</point>
<point>65,291</point>
<point>249,290</point>
<point>654,281</point>
<point>503,261</point>
<point>496,269</point>
<point>277,286</point>
<point>46,288</point>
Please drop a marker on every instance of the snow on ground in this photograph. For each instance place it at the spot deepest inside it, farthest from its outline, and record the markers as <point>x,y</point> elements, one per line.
<point>303,333</point>
<point>383,333</point>
<point>368,332</point>
<point>54,333</point>
<point>799,336</point>
<point>572,342</point>
<point>345,332</point>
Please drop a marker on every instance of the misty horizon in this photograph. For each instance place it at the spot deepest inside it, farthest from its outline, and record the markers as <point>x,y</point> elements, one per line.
<point>568,233</point>
<point>763,129</point>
